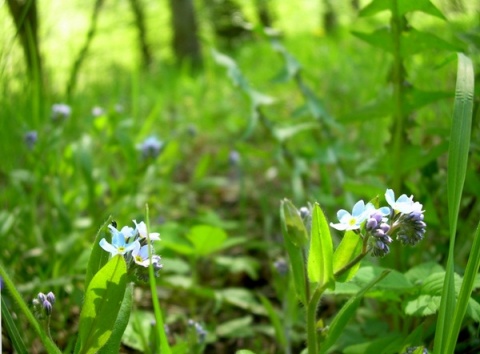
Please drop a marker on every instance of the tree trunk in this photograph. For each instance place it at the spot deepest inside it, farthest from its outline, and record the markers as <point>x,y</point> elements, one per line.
<point>138,11</point>
<point>24,14</point>
<point>264,13</point>
<point>185,39</point>
<point>329,18</point>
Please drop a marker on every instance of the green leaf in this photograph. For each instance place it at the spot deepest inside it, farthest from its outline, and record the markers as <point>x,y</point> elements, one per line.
<point>275,321</point>
<point>457,165</point>
<point>244,351</point>
<point>113,343</point>
<point>237,328</point>
<point>347,250</point>
<point>241,298</point>
<point>412,42</point>
<point>285,133</point>
<point>98,256</point>
<point>404,6</point>
<point>206,239</point>
<point>295,237</point>
<point>320,254</point>
<point>12,330</point>
<point>381,38</point>
<point>423,305</point>
<point>293,224</point>
<point>342,318</point>
<point>103,301</point>
<point>464,299</point>
<point>232,69</point>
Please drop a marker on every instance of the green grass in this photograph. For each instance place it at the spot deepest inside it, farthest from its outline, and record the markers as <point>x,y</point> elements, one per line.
<point>55,196</point>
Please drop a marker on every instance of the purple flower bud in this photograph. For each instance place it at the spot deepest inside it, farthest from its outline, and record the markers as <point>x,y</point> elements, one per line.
<point>281,266</point>
<point>31,138</point>
<point>371,224</point>
<point>47,306</point>
<point>51,297</point>
<point>41,297</point>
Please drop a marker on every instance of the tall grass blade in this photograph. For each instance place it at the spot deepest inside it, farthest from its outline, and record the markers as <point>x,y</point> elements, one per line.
<point>46,341</point>
<point>12,330</point>
<point>457,165</point>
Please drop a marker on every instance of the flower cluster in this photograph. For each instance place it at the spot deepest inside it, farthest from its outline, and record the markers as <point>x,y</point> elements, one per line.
<point>43,305</point>
<point>151,147</point>
<point>403,220</point>
<point>132,243</point>
<point>201,333</point>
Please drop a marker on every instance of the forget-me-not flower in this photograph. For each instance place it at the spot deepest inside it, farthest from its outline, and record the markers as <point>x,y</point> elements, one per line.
<point>151,147</point>
<point>403,204</point>
<point>118,245</point>
<point>141,228</point>
<point>360,212</point>
<point>140,255</point>
<point>61,110</point>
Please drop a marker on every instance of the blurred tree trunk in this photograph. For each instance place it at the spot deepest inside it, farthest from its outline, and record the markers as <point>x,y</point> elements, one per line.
<point>139,12</point>
<point>329,17</point>
<point>24,14</point>
<point>264,13</point>
<point>185,39</point>
<point>356,5</point>
<point>72,81</point>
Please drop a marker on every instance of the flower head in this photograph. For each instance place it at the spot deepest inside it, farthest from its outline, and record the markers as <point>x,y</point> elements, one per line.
<point>98,111</point>
<point>30,138</point>
<point>140,256</point>
<point>151,147</point>
<point>118,245</point>
<point>141,228</point>
<point>403,204</point>
<point>353,221</point>
<point>61,110</point>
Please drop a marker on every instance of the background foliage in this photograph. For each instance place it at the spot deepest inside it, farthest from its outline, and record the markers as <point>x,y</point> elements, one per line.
<point>305,110</point>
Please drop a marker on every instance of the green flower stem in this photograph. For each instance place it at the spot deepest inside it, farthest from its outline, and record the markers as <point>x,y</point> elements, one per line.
<point>312,340</point>
<point>47,342</point>
<point>398,79</point>
<point>351,263</point>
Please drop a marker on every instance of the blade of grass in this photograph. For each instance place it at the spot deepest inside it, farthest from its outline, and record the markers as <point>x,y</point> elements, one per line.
<point>465,292</point>
<point>47,342</point>
<point>12,330</point>
<point>457,165</point>
<point>164,345</point>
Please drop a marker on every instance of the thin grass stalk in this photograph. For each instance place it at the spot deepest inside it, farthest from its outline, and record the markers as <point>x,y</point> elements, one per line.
<point>47,342</point>
<point>164,345</point>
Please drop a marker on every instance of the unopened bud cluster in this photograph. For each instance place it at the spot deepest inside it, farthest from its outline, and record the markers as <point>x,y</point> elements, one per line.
<point>43,305</point>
